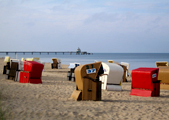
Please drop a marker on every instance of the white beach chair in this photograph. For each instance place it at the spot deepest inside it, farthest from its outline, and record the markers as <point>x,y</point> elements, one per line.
<point>112,77</point>
<point>73,65</point>
<point>59,63</point>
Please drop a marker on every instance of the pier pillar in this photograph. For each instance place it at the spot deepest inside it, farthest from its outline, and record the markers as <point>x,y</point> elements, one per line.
<point>40,53</point>
<point>6,53</point>
<point>55,53</point>
<point>48,53</point>
<point>24,53</point>
<point>32,53</point>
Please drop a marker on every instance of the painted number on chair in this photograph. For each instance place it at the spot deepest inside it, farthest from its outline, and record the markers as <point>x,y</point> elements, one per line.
<point>154,75</point>
<point>89,71</point>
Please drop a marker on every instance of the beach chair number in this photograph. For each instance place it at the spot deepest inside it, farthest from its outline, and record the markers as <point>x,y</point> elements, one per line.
<point>154,75</point>
<point>89,71</point>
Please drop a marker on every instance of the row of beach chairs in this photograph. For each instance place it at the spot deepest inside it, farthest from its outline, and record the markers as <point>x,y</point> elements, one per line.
<point>114,74</point>
<point>92,78</point>
<point>27,70</point>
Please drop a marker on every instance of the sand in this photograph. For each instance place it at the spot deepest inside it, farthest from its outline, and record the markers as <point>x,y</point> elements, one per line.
<point>51,100</point>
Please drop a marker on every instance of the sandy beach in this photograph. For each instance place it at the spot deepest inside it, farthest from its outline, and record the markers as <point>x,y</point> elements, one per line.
<point>51,101</point>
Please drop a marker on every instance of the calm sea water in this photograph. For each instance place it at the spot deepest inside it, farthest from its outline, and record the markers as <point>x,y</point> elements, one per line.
<point>134,59</point>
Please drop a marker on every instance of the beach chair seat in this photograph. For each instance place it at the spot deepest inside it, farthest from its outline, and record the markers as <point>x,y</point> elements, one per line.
<point>54,65</point>
<point>25,77</point>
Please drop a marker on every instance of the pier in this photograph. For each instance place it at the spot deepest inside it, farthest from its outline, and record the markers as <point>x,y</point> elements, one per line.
<point>47,52</point>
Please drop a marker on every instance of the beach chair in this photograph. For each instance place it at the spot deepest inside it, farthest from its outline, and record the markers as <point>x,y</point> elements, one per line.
<point>163,75</point>
<point>12,71</point>
<point>55,63</point>
<point>32,72</point>
<point>145,82</point>
<point>14,60</point>
<point>19,68</point>
<point>59,63</point>
<point>87,82</point>
<point>70,74</point>
<point>7,66</point>
<point>112,77</point>
<point>126,70</point>
<point>161,63</point>
<point>112,61</point>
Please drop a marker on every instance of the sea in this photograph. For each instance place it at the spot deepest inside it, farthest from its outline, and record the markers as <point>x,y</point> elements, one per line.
<point>135,60</point>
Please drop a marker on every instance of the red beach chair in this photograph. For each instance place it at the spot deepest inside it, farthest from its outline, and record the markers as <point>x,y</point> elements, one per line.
<point>32,72</point>
<point>145,83</point>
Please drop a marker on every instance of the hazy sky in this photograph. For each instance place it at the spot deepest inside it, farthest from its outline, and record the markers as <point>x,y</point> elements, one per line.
<point>119,26</point>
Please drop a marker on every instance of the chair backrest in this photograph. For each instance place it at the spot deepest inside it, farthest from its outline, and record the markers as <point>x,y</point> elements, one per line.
<point>90,71</point>
<point>22,59</point>
<point>14,66</point>
<point>14,60</point>
<point>161,63</point>
<point>115,73</point>
<point>125,64</point>
<point>54,60</point>
<point>7,59</point>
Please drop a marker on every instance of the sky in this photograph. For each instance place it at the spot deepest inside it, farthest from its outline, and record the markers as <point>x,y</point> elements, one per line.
<point>98,26</point>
